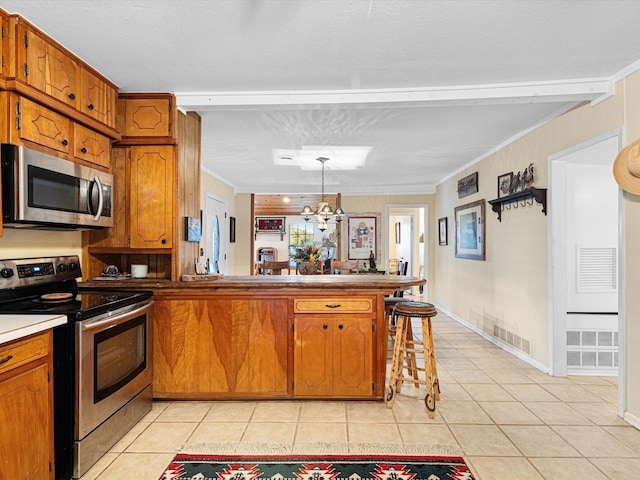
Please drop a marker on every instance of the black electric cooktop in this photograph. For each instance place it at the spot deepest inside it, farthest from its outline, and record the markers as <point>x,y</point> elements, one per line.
<point>77,305</point>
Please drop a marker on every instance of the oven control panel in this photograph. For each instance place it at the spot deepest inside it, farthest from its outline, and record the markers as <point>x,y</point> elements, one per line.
<point>35,270</point>
<point>30,271</point>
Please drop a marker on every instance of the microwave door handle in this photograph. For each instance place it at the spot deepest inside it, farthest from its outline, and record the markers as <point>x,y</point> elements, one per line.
<point>96,217</point>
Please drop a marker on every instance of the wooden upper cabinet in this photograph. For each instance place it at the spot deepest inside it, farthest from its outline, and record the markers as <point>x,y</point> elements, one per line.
<point>91,147</point>
<point>43,126</point>
<point>4,46</point>
<point>38,67</point>
<point>146,118</point>
<point>150,174</point>
<point>97,98</point>
<point>49,69</point>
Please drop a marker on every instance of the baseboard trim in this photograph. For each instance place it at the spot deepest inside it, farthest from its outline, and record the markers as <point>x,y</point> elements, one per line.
<point>505,346</point>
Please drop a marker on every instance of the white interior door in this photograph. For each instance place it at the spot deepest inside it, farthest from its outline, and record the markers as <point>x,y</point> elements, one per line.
<point>216,228</point>
<point>584,253</point>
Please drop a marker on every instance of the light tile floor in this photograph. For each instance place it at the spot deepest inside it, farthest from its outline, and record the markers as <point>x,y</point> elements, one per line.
<point>509,421</point>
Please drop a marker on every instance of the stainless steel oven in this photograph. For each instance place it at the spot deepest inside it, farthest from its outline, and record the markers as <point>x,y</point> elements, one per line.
<point>102,357</point>
<point>114,375</point>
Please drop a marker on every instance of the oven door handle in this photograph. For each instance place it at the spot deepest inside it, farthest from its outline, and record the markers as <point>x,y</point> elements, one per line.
<point>113,320</point>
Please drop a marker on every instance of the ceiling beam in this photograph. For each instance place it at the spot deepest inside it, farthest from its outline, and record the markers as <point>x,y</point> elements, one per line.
<point>491,94</point>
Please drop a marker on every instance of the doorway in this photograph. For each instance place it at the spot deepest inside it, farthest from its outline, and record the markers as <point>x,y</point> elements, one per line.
<point>584,321</point>
<point>406,236</point>
<point>215,230</point>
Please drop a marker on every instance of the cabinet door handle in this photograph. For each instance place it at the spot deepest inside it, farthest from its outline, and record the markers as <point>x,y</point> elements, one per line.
<point>72,96</point>
<point>163,241</point>
<point>325,326</point>
<point>90,106</point>
<point>340,326</point>
<point>83,150</point>
<point>332,305</point>
<point>65,142</point>
<point>5,359</point>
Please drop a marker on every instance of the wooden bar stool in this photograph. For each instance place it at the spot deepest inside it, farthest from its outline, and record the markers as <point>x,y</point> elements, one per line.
<point>389,304</point>
<point>407,346</point>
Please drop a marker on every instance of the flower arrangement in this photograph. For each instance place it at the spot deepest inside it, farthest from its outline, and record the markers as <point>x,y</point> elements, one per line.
<point>306,254</point>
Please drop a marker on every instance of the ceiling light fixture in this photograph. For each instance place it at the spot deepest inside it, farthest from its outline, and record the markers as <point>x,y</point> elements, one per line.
<point>324,211</point>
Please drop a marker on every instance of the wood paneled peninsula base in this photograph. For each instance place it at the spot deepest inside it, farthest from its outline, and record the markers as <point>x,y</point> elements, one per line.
<point>315,336</point>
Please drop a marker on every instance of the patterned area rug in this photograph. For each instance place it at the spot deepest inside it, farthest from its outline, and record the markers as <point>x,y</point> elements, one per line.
<point>316,467</point>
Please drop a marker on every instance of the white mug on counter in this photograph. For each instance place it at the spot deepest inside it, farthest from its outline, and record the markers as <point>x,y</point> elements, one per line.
<point>139,271</point>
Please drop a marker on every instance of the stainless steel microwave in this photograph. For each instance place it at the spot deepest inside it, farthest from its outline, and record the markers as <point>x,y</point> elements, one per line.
<point>46,192</point>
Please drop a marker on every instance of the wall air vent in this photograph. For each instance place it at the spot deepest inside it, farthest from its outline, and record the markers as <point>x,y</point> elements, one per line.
<point>596,269</point>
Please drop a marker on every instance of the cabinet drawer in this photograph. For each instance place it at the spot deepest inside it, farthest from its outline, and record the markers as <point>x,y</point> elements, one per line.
<point>333,305</point>
<point>20,352</point>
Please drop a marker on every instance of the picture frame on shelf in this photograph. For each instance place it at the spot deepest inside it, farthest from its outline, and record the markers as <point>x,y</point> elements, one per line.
<point>363,236</point>
<point>470,234</point>
<point>443,231</point>
<point>505,184</point>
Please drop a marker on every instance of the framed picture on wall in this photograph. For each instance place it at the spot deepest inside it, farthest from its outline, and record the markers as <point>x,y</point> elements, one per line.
<point>443,227</point>
<point>232,229</point>
<point>363,236</point>
<point>270,224</point>
<point>469,221</point>
<point>193,228</point>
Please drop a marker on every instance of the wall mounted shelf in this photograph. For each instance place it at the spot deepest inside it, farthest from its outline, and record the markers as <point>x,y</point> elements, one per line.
<point>525,197</point>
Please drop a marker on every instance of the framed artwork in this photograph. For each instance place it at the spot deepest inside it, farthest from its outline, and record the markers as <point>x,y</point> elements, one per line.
<point>363,236</point>
<point>468,185</point>
<point>505,184</point>
<point>270,224</point>
<point>443,231</point>
<point>192,229</point>
<point>469,221</point>
<point>398,240</point>
<point>232,229</point>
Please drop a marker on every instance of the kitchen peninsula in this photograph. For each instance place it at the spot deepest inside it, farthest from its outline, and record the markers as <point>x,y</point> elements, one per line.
<point>250,337</point>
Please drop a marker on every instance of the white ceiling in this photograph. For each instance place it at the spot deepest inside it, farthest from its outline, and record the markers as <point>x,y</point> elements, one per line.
<point>430,86</point>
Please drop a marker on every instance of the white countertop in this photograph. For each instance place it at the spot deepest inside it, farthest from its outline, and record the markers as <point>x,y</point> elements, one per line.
<point>13,327</point>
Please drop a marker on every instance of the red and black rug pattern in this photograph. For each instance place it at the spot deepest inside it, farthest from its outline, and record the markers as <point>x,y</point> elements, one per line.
<point>316,467</point>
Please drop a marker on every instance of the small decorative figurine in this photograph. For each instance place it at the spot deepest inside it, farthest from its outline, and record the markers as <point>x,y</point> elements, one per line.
<point>372,261</point>
<point>527,177</point>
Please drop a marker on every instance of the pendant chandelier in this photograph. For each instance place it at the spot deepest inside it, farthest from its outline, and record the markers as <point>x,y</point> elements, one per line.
<point>324,211</point>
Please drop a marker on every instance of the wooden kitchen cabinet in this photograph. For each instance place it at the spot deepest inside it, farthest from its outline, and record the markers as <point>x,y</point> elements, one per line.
<point>91,147</point>
<point>38,67</point>
<point>230,347</point>
<point>98,98</point>
<point>38,126</point>
<point>145,118</point>
<point>151,198</point>
<point>143,200</point>
<point>4,46</point>
<point>333,356</point>
<point>41,125</point>
<point>26,408</point>
<point>334,346</point>
<point>150,175</point>
<point>45,66</point>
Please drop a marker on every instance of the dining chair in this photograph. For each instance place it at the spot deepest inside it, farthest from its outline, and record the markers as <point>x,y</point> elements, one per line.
<point>275,268</point>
